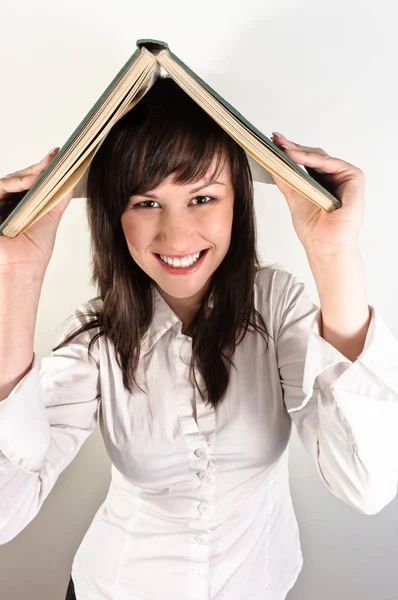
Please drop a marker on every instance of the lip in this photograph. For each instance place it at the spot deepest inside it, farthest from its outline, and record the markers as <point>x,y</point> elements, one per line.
<point>181,255</point>
<point>182,270</point>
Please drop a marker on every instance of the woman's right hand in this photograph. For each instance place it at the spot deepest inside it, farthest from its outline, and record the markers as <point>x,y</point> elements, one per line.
<point>31,250</point>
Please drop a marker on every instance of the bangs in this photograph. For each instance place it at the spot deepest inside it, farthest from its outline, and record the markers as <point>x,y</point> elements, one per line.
<point>174,136</point>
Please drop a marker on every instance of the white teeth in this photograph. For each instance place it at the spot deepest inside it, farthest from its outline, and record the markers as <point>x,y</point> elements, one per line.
<point>184,262</point>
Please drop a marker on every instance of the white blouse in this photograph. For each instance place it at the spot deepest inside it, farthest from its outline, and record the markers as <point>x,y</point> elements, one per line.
<point>199,506</point>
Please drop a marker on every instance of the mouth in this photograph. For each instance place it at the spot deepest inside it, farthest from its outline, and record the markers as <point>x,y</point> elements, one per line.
<point>183,270</point>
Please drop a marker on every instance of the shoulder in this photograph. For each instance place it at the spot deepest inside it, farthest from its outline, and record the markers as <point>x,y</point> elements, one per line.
<point>90,307</point>
<point>272,276</point>
<point>86,311</point>
<point>273,288</point>
<point>83,314</point>
<point>273,282</point>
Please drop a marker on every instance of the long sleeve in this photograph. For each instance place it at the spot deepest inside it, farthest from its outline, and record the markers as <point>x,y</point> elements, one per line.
<point>346,413</point>
<point>43,424</point>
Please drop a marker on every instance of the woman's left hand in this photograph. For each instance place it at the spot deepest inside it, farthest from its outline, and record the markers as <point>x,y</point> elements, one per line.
<point>320,231</point>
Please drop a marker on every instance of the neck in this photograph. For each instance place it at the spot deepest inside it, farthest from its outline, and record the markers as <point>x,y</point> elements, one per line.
<point>184,308</point>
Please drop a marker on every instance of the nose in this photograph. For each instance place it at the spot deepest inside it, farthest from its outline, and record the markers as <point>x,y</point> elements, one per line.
<point>176,234</point>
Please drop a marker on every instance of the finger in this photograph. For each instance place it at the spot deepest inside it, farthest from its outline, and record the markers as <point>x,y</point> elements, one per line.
<point>16,184</point>
<point>284,142</point>
<point>57,211</point>
<point>36,168</point>
<point>322,162</point>
<point>23,180</point>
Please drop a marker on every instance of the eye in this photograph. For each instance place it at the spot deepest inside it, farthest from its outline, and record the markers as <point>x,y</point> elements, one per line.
<point>144,203</point>
<point>211,199</point>
<point>139,204</point>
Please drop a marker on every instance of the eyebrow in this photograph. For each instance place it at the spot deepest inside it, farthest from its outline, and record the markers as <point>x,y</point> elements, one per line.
<point>192,190</point>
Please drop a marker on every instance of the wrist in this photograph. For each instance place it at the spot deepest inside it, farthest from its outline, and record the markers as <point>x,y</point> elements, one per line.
<point>320,256</point>
<point>340,272</point>
<point>18,274</point>
<point>20,293</point>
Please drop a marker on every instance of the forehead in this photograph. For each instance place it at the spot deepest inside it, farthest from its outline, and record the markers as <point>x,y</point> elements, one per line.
<point>185,165</point>
<point>221,180</point>
<point>222,174</point>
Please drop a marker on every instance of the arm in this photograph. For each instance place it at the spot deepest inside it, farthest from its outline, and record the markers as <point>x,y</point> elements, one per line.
<point>19,299</point>
<point>345,314</point>
<point>345,412</point>
<point>44,421</point>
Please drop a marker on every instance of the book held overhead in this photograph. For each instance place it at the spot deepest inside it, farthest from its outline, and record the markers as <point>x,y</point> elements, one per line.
<point>153,59</point>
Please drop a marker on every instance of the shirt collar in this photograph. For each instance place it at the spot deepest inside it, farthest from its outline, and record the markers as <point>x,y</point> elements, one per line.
<point>164,318</point>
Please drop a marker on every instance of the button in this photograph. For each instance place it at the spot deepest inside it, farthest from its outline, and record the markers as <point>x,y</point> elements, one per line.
<point>204,476</point>
<point>199,539</point>
<point>204,508</point>
<point>196,571</point>
<point>201,453</point>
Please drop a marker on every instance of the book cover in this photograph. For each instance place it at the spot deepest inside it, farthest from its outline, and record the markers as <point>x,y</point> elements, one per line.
<point>157,45</point>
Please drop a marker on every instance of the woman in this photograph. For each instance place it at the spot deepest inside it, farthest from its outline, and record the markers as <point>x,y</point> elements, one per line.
<point>195,368</point>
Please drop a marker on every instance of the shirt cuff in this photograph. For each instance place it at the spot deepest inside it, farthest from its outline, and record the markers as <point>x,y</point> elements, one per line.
<point>374,373</point>
<point>24,427</point>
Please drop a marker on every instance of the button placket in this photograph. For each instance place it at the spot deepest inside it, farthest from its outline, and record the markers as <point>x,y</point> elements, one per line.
<point>199,433</point>
<point>204,476</point>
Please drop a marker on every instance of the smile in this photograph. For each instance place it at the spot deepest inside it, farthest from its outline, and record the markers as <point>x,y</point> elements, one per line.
<point>183,266</point>
<point>184,261</point>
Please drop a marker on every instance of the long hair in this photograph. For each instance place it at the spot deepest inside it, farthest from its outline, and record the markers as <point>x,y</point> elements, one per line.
<point>168,133</point>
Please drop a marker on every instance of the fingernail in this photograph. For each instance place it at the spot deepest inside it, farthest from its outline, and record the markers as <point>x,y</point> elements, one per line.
<point>54,150</point>
<point>279,134</point>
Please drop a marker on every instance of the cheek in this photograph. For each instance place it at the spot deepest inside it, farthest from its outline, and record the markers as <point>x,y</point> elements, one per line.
<point>219,225</point>
<point>215,226</point>
<point>135,235</point>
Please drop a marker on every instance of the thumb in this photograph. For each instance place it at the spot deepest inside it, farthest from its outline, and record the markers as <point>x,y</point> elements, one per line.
<point>60,208</point>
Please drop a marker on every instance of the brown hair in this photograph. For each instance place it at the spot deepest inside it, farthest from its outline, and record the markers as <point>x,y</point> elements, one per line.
<point>165,133</point>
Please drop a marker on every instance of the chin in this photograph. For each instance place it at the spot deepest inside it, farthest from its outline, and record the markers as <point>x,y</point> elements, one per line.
<point>181,289</point>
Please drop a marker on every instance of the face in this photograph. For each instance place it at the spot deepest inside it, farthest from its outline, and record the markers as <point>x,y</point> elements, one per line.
<point>176,222</point>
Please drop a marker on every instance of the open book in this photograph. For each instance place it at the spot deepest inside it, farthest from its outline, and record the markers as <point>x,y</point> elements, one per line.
<point>153,59</point>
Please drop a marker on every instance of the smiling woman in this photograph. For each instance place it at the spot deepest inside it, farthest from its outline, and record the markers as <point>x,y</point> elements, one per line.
<point>199,504</point>
<point>182,237</point>
<point>146,221</point>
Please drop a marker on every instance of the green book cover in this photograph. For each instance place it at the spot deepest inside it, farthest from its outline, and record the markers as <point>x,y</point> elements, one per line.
<point>151,44</point>
<point>68,142</point>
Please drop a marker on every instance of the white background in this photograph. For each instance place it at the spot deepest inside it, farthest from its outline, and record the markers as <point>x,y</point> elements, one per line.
<point>322,73</point>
